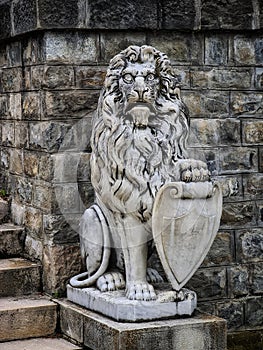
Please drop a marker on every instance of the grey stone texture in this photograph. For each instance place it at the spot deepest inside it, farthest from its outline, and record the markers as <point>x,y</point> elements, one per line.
<point>49,84</point>
<point>93,330</point>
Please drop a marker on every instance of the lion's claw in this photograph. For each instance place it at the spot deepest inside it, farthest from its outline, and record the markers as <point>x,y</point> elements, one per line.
<point>140,291</point>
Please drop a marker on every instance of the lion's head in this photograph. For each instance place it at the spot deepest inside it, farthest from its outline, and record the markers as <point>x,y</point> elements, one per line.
<point>139,130</point>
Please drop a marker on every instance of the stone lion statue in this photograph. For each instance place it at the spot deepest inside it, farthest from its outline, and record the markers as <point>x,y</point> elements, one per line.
<point>138,144</point>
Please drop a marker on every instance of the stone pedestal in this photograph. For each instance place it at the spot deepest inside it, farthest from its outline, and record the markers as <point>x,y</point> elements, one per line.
<point>97,332</point>
<point>117,306</point>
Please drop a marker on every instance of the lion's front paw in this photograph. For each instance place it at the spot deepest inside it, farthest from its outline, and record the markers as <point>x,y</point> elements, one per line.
<point>194,171</point>
<point>185,294</point>
<point>140,291</point>
<point>110,281</point>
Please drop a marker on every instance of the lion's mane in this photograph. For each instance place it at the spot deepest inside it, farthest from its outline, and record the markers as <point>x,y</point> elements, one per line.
<point>129,165</point>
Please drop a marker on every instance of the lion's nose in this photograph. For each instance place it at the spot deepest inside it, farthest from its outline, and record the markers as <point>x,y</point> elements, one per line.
<point>140,87</point>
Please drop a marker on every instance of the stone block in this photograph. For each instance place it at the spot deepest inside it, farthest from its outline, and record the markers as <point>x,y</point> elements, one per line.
<point>233,312</point>
<point>24,16</point>
<point>39,343</point>
<point>245,340</point>
<point>78,47</point>
<point>259,51</point>
<point>14,54</point>
<point>254,312</point>
<point>47,136</point>
<point>238,281</point>
<point>88,77</point>
<point>18,277</point>
<point>112,44</point>
<point>65,15</point>
<point>244,50</point>
<point>42,196</point>
<point>17,213</point>
<point>125,14</point>
<point>21,189</point>
<point>32,317</point>
<point>4,106</point>
<point>69,104</point>
<point>4,210</point>
<point>8,133</point>
<point>179,15</point>
<point>209,283</point>
<point>21,135</point>
<point>60,262</point>
<point>11,80</point>
<point>33,248</point>
<point>247,160</point>
<point>216,49</point>
<point>215,78</point>
<point>259,78</point>
<point>67,198</point>
<point>61,229</point>
<point>221,252</point>
<point>11,240</point>
<point>257,278</point>
<point>57,77</point>
<point>186,49</point>
<point>249,245</point>
<point>34,221</point>
<point>66,166</point>
<point>31,163</point>
<point>5,23</point>
<point>199,332</point>
<point>33,50</point>
<point>31,106</point>
<point>253,186</point>
<point>207,103</point>
<point>87,196</point>
<point>16,161</point>
<point>14,106</point>
<point>239,214</point>
<point>235,14</point>
<point>252,132</point>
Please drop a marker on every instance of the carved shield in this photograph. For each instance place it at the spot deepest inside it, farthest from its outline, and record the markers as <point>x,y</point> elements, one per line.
<point>185,221</point>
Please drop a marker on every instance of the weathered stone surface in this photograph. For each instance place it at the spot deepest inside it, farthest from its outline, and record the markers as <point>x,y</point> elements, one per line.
<point>21,135</point>
<point>258,51</point>
<point>179,15</point>
<point>239,214</point>
<point>33,317</point>
<point>90,77</point>
<point>18,277</point>
<point>4,210</point>
<point>249,245</point>
<point>33,248</point>
<point>246,103</point>
<point>126,14</point>
<point>59,263</point>
<point>259,78</point>
<point>233,313</point>
<point>71,47</point>
<point>254,312</point>
<point>11,79</point>
<point>39,343</point>
<point>42,196</point>
<point>221,252</point>
<point>14,54</point>
<point>33,221</point>
<point>16,161</point>
<point>57,77</point>
<point>58,13</point>
<point>47,135</point>
<point>253,132</point>
<point>222,78</point>
<point>216,50</point>
<point>253,186</point>
<point>257,278</point>
<point>67,198</point>
<point>8,134</point>
<point>247,160</point>
<point>207,103</point>
<point>33,51</point>
<point>247,50</point>
<point>31,106</point>
<point>66,166</point>
<point>227,15</point>
<point>24,16</point>
<point>60,229</point>
<point>11,240</point>
<point>245,340</point>
<point>111,43</point>
<point>209,283</point>
<point>17,213</point>
<point>180,49</point>
<point>69,104</point>
<point>239,281</point>
<point>5,23</point>
<point>198,332</point>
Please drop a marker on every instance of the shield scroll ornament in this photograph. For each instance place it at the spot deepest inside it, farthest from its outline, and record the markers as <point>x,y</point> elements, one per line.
<point>185,221</point>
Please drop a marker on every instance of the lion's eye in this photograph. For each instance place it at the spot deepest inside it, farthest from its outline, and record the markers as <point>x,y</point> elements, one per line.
<point>128,78</point>
<point>150,77</point>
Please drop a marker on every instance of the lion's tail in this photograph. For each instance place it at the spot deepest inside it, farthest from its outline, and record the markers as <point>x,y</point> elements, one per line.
<point>83,280</point>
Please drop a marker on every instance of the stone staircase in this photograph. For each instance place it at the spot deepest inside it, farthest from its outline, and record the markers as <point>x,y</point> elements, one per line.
<point>28,318</point>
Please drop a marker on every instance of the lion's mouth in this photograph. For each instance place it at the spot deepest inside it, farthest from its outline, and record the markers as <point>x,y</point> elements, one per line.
<point>139,114</point>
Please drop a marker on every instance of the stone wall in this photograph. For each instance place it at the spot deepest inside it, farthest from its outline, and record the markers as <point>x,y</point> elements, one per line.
<point>53,58</point>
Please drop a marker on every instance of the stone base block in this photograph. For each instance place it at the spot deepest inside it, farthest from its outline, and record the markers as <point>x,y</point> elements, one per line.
<point>117,306</point>
<point>97,332</point>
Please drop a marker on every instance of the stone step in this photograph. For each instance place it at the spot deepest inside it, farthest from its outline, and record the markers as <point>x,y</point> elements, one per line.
<point>11,240</point>
<point>39,343</point>
<point>19,277</point>
<point>22,318</point>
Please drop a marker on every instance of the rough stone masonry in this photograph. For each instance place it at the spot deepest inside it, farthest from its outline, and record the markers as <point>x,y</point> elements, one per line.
<point>53,58</point>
